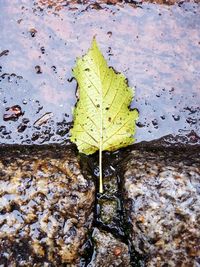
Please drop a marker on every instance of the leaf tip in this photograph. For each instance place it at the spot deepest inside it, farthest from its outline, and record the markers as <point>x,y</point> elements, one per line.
<point>94,45</point>
<point>94,39</point>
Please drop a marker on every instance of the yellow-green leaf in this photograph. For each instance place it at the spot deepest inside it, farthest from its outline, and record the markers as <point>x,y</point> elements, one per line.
<point>102,118</point>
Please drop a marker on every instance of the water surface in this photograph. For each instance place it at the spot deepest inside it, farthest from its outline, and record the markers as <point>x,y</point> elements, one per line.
<point>156,46</point>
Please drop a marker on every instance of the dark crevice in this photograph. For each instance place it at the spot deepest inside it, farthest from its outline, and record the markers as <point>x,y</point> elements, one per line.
<point>113,180</point>
<point>118,226</point>
<point>137,260</point>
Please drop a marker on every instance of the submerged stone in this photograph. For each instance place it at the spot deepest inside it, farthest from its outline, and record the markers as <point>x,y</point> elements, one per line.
<point>46,205</point>
<point>162,192</point>
<point>109,251</point>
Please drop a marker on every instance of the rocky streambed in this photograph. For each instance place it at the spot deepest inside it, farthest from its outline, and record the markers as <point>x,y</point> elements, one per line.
<point>50,214</point>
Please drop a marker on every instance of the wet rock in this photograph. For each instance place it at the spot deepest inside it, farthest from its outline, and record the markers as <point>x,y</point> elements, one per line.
<point>109,251</point>
<point>108,210</point>
<point>165,74</point>
<point>182,140</point>
<point>162,195</point>
<point>46,206</point>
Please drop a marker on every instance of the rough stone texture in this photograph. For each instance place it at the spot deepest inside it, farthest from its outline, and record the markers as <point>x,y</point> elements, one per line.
<point>162,192</point>
<point>109,252</point>
<point>45,207</point>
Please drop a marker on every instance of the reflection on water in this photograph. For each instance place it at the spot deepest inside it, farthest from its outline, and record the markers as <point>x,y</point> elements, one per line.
<point>156,46</point>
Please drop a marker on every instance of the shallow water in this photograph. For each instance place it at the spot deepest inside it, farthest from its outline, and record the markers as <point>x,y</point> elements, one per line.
<point>157,47</point>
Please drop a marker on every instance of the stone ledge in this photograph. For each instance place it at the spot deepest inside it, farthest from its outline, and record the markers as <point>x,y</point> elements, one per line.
<point>45,207</point>
<point>162,196</point>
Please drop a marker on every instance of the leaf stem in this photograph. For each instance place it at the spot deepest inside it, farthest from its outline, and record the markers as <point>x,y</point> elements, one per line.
<point>100,171</point>
<point>101,137</point>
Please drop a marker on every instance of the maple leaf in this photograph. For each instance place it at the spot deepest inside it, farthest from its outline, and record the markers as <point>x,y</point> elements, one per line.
<point>102,117</point>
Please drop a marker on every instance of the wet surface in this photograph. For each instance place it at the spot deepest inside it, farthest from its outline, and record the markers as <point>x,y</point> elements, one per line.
<point>109,251</point>
<point>109,214</point>
<point>46,207</point>
<point>156,46</point>
<point>162,200</point>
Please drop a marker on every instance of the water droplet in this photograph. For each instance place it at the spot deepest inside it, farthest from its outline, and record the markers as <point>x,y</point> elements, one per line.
<point>42,49</point>
<point>19,21</point>
<point>54,68</point>
<point>155,123</point>
<point>191,120</point>
<point>109,33</point>
<point>163,117</point>
<point>140,125</point>
<point>33,32</point>
<point>21,128</point>
<point>176,117</point>
<point>38,69</point>
<point>25,120</point>
<point>4,131</point>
